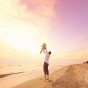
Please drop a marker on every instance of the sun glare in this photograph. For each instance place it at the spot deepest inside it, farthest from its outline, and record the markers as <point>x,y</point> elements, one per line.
<point>21,39</point>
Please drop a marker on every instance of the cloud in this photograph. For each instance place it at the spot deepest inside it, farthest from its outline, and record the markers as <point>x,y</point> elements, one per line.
<point>38,12</point>
<point>79,54</point>
<point>35,12</point>
<point>42,8</point>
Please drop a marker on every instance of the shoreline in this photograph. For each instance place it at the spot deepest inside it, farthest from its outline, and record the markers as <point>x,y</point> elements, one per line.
<point>5,75</point>
<point>72,76</point>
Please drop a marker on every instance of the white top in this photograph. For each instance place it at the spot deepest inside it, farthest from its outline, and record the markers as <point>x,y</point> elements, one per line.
<point>47,56</point>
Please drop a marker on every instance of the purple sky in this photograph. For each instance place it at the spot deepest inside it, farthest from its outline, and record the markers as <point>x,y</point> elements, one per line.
<point>70,26</point>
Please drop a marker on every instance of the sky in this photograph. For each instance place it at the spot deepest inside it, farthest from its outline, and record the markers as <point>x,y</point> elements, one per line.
<point>26,24</point>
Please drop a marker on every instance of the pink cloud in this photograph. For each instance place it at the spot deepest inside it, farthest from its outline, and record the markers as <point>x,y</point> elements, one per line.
<point>40,7</point>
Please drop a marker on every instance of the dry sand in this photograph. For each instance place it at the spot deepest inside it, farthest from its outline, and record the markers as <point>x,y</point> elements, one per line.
<point>72,76</point>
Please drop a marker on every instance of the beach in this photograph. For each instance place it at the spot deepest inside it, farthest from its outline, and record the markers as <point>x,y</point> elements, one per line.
<point>72,76</point>
<point>13,75</point>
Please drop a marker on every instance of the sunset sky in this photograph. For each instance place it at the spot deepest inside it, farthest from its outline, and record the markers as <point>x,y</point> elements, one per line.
<point>26,24</point>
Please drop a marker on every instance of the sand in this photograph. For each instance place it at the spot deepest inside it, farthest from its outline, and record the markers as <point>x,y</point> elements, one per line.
<point>72,76</point>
